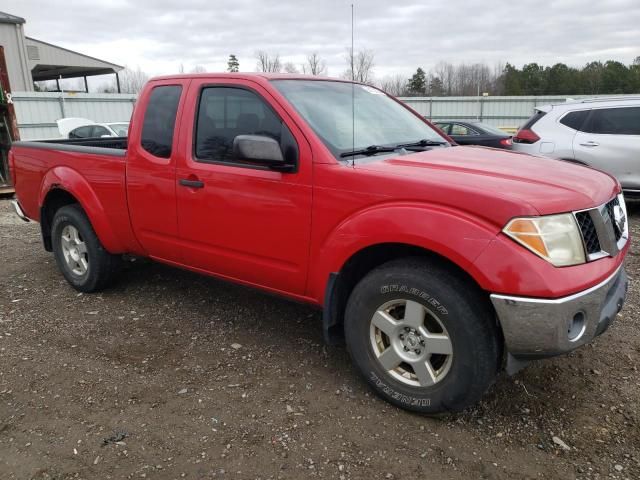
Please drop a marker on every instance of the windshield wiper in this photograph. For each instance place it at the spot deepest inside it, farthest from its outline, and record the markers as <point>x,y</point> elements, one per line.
<point>375,149</point>
<point>421,143</point>
<point>370,150</point>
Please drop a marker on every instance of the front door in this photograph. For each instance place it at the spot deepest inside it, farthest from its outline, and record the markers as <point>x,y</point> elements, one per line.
<point>238,219</point>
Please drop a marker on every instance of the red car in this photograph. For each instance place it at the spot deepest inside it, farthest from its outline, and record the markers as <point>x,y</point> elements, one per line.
<point>438,264</point>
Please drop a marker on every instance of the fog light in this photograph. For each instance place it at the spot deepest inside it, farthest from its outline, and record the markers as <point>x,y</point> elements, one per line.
<point>577,327</point>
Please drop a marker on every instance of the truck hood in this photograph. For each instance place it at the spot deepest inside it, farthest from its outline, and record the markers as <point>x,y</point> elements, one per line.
<point>544,185</point>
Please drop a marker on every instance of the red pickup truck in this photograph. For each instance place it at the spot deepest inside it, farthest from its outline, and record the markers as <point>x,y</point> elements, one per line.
<point>439,265</point>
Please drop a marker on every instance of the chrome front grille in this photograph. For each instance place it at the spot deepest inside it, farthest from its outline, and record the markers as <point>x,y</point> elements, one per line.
<point>605,229</point>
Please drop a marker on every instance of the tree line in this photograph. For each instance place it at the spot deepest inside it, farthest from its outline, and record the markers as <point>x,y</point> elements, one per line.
<point>444,79</point>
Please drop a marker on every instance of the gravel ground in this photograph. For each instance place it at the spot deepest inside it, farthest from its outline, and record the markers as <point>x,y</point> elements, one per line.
<point>174,375</point>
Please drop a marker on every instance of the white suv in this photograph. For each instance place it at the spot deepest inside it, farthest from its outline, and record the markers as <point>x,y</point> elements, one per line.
<point>601,132</point>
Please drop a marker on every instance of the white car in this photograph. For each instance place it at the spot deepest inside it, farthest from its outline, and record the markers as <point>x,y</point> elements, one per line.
<point>83,128</point>
<point>601,132</point>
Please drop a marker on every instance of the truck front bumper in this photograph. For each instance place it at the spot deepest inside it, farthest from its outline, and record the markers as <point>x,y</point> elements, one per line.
<point>538,328</point>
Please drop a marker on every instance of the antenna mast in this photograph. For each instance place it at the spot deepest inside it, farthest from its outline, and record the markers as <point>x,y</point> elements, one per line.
<point>353,98</point>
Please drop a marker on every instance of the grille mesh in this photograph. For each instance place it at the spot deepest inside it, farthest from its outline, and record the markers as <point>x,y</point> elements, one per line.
<point>609,209</point>
<point>589,233</point>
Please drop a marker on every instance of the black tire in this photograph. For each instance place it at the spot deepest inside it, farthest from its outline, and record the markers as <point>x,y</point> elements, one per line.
<point>102,267</point>
<point>457,304</point>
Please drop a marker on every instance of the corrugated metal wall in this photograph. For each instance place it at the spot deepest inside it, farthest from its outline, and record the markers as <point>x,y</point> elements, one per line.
<point>37,112</point>
<point>503,112</point>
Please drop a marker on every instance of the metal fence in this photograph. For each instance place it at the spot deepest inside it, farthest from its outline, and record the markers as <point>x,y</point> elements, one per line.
<point>37,112</point>
<point>503,112</point>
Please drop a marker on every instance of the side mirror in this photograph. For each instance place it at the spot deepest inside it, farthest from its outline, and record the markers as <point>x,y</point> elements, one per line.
<point>258,148</point>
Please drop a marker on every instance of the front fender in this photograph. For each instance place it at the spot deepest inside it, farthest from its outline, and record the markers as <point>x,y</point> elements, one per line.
<point>75,184</point>
<point>453,234</point>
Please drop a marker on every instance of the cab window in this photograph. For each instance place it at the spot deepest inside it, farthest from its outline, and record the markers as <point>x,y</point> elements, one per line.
<point>226,112</point>
<point>160,119</point>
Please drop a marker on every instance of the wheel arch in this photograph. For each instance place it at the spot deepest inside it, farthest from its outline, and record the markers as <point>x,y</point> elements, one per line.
<point>64,186</point>
<point>342,282</point>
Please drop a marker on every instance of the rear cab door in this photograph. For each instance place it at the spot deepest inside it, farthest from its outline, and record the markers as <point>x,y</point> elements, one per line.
<point>238,219</point>
<point>152,156</point>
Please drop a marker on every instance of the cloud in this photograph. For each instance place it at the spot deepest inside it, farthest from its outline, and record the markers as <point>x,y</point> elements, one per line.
<point>160,35</point>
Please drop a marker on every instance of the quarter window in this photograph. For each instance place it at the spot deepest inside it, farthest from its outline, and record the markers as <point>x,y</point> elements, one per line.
<point>226,112</point>
<point>160,120</point>
<point>614,121</point>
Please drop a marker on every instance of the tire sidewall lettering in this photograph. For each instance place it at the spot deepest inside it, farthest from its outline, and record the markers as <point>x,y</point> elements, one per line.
<point>424,296</point>
<point>397,396</point>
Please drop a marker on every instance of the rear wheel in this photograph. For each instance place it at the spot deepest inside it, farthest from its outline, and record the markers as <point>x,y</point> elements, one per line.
<point>423,336</point>
<point>80,256</point>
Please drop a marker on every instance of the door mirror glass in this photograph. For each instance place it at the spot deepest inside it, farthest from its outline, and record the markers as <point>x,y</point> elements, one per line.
<point>258,148</point>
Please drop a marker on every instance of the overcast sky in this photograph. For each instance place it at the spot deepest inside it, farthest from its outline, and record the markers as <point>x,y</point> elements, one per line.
<point>160,35</point>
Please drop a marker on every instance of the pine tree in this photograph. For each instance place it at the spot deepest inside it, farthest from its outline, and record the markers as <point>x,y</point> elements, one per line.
<point>233,65</point>
<point>418,83</point>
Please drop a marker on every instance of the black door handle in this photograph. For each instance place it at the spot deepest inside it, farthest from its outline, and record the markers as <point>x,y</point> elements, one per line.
<point>191,183</point>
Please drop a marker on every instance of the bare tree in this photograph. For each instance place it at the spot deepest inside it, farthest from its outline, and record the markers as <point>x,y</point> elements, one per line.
<point>268,63</point>
<point>360,65</point>
<point>132,81</point>
<point>446,73</point>
<point>289,67</point>
<point>315,65</point>
<point>395,85</point>
<point>198,69</point>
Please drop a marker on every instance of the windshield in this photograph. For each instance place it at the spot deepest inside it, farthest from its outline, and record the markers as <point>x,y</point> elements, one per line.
<point>121,129</point>
<point>379,120</point>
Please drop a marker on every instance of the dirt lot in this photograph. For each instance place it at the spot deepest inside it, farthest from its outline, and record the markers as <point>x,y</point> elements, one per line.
<point>173,375</point>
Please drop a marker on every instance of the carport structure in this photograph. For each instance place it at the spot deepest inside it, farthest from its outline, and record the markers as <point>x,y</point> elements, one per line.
<point>50,62</point>
<point>30,60</point>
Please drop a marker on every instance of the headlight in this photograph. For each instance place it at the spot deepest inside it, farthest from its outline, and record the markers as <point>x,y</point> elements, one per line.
<point>556,238</point>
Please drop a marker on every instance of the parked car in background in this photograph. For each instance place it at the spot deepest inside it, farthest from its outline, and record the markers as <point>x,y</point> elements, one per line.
<point>601,132</point>
<point>475,133</point>
<point>84,128</point>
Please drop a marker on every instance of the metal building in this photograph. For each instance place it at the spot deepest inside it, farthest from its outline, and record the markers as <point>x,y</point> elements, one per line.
<point>29,60</point>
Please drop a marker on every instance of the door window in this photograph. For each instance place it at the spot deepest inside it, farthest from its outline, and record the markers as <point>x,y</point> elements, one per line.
<point>614,121</point>
<point>160,119</point>
<point>80,132</point>
<point>459,129</point>
<point>226,112</point>
<point>443,126</point>
<point>99,131</point>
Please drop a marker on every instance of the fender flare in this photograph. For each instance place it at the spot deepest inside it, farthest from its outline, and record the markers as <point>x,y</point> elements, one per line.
<point>452,234</point>
<point>69,180</point>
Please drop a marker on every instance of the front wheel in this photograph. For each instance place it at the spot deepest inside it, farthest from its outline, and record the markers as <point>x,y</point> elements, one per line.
<point>80,256</point>
<point>422,335</point>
